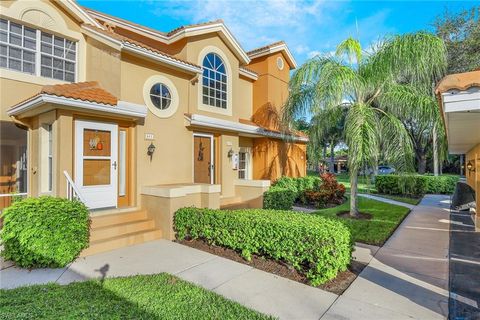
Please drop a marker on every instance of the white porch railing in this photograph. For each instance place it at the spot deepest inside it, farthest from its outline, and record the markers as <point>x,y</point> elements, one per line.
<point>72,191</point>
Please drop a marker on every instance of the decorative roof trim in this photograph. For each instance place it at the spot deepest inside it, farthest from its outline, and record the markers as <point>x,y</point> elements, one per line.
<point>122,108</point>
<point>209,122</point>
<point>248,73</point>
<point>273,48</point>
<point>181,32</point>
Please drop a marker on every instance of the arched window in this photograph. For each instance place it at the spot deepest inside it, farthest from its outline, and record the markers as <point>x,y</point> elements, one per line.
<point>214,81</point>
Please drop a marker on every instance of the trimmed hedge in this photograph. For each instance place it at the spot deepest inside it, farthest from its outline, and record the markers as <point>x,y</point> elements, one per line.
<point>315,246</point>
<point>286,191</point>
<point>44,231</point>
<point>415,185</point>
<point>279,198</point>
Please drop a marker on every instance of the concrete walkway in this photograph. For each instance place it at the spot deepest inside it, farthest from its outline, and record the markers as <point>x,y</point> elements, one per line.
<point>405,279</point>
<point>408,276</point>
<point>386,200</point>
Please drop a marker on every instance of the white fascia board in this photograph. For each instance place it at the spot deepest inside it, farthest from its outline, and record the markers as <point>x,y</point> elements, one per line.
<point>186,32</point>
<point>278,48</point>
<point>110,41</point>
<point>461,101</point>
<point>220,27</point>
<point>248,74</point>
<point>209,122</point>
<point>132,48</point>
<point>78,12</point>
<point>121,109</point>
<point>160,58</point>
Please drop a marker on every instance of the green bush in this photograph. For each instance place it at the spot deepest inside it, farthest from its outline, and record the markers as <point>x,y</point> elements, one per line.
<point>298,186</point>
<point>315,246</point>
<point>44,231</point>
<point>279,198</point>
<point>415,185</point>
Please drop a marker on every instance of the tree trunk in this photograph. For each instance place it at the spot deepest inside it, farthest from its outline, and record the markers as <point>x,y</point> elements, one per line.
<point>422,161</point>
<point>353,192</point>
<point>461,164</point>
<point>435,151</point>
<point>324,157</point>
<point>331,166</point>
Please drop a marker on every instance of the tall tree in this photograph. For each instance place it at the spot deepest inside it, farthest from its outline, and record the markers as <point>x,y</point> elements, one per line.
<point>357,81</point>
<point>461,33</point>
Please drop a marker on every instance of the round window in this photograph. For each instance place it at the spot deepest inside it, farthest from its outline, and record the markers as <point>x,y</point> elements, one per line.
<point>280,63</point>
<point>160,96</point>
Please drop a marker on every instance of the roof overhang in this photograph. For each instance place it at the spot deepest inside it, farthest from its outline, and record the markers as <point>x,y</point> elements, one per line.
<point>248,73</point>
<point>187,31</point>
<point>142,52</point>
<point>247,130</point>
<point>280,47</point>
<point>78,12</point>
<point>461,113</point>
<point>45,102</point>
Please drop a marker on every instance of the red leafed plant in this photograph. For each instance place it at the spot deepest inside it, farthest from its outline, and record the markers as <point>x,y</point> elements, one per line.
<point>327,192</point>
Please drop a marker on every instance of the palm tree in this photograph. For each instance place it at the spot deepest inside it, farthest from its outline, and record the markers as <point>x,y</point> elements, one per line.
<point>358,80</point>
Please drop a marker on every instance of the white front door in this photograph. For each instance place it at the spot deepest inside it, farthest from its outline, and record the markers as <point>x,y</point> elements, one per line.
<point>96,152</point>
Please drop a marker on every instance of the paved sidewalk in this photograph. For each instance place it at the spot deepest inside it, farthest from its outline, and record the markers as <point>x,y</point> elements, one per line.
<point>386,200</point>
<point>408,276</point>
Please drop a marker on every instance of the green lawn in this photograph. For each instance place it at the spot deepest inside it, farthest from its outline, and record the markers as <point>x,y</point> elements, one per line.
<point>365,186</point>
<point>376,231</point>
<point>160,296</point>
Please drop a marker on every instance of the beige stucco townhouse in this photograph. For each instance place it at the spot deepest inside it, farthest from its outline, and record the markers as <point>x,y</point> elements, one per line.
<point>135,122</point>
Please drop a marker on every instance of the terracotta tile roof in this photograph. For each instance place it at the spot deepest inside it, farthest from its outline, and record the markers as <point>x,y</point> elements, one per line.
<point>167,34</point>
<point>95,12</point>
<point>271,45</point>
<point>85,91</point>
<point>125,39</point>
<point>249,70</point>
<point>459,81</point>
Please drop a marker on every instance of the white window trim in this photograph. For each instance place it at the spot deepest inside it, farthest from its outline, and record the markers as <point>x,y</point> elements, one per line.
<point>45,154</point>
<point>172,109</point>
<point>37,77</point>
<point>228,68</point>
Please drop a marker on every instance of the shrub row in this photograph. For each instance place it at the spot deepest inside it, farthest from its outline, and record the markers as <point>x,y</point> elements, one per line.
<point>315,246</point>
<point>279,198</point>
<point>286,191</point>
<point>415,185</point>
<point>44,231</point>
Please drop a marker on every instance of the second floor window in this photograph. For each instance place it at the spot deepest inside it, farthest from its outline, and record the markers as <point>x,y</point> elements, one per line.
<point>214,81</point>
<point>36,52</point>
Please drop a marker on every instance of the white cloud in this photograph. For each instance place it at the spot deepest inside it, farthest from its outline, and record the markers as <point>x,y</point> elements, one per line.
<point>313,53</point>
<point>255,23</point>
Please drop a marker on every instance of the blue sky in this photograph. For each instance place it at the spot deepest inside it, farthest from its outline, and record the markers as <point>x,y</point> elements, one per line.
<point>308,27</point>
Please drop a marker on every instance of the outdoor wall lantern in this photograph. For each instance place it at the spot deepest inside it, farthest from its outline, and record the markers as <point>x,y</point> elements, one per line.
<point>470,166</point>
<point>151,150</point>
<point>230,153</point>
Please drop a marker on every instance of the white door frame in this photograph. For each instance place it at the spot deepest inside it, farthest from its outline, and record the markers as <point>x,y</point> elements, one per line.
<point>99,196</point>
<point>212,155</point>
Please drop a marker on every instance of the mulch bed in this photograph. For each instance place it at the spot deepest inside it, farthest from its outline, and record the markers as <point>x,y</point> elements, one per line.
<point>337,285</point>
<point>361,215</point>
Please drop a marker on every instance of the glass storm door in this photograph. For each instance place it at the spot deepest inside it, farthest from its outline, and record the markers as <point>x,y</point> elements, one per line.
<point>96,152</point>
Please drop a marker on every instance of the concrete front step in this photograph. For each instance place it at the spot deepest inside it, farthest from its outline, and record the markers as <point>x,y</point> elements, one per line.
<point>116,230</point>
<point>121,241</point>
<point>117,218</point>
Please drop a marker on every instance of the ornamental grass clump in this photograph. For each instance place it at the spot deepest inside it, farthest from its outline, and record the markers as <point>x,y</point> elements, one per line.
<point>44,232</point>
<point>317,247</point>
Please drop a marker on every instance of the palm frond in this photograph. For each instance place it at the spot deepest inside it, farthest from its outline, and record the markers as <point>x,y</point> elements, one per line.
<point>352,49</point>
<point>362,136</point>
